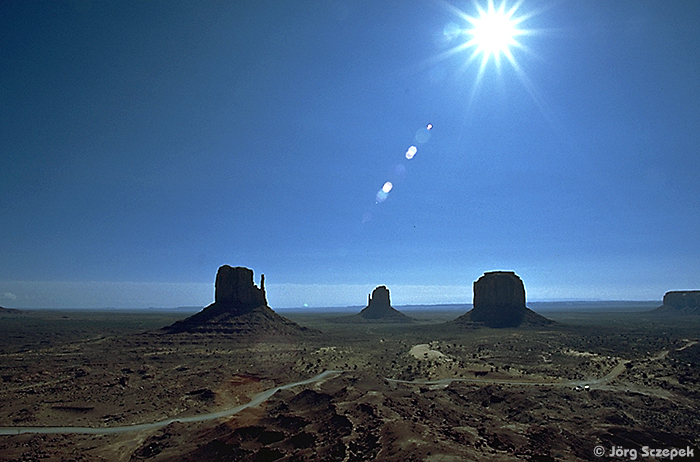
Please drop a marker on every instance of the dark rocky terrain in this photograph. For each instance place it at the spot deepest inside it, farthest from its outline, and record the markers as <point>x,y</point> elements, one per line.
<point>427,392</point>
<point>680,303</point>
<point>397,392</point>
<point>499,301</point>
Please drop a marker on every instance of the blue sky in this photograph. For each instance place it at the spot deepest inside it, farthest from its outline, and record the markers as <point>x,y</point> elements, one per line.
<point>144,144</point>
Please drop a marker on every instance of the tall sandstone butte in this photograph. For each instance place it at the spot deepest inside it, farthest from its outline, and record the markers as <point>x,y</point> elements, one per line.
<point>499,301</point>
<point>235,286</point>
<point>239,308</point>
<point>379,308</point>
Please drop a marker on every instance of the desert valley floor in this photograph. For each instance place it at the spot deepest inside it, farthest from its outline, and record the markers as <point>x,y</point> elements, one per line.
<point>423,391</point>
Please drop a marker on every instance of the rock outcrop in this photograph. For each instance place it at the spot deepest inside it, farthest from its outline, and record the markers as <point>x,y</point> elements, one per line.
<point>685,302</point>
<point>235,287</point>
<point>239,308</point>
<point>379,308</point>
<point>499,301</point>
<point>4,310</point>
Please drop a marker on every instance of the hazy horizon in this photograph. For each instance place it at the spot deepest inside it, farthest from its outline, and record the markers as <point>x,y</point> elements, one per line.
<point>337,146</point>
<point>98,295</point>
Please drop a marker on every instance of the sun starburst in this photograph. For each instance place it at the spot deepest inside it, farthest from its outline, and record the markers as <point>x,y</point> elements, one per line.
<point>494,29</point>
<point>494,33</point>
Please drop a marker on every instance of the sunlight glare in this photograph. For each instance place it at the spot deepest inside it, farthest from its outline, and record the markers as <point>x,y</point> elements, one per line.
<point>494,32</point>
<point>496,28</point>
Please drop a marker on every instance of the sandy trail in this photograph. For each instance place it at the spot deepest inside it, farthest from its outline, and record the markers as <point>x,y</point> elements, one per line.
<point>688,345</point>
<point>602,383</point>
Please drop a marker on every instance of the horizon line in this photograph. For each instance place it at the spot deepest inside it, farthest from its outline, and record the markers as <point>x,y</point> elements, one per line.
<point>317,307</point>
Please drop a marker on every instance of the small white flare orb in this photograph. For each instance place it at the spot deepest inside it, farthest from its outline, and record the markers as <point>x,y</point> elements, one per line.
<point>383,193</point>
<point>411,152</point>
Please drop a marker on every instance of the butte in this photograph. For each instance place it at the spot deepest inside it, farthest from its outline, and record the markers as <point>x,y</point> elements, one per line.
<point>378,310</point>
<point>499,301</point>
<point>239,310</point>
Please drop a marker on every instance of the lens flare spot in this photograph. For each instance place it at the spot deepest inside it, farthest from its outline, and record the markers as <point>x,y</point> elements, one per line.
<point>411,152</point>
<point>451,31</point>
<point>423,135</point>
<point>384,192</point>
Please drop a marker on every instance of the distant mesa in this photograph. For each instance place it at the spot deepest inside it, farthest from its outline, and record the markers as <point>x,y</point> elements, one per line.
<point>378,309</point>
<point>4,310</point>
<point>239,308</point>
<point>685,302</point>
<point>499,301</point>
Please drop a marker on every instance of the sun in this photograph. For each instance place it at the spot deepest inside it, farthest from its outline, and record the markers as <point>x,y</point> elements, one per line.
<point>494,33</point>
<point>495,28</point>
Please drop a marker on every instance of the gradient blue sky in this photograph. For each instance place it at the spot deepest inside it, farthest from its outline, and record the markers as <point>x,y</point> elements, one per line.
<point>144,144</point>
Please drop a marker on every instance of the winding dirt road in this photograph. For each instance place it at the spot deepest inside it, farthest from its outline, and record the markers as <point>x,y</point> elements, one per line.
<point>257,399</point>
<point>602,383</point>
